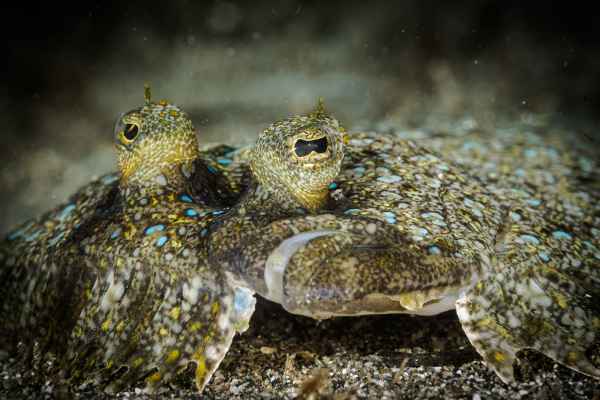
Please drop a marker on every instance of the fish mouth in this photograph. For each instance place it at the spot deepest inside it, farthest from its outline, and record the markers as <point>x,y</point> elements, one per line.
<point>312,151</point>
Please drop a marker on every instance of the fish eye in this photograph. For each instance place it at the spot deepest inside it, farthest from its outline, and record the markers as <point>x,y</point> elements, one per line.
<point>129,133</point>
<point>304,147</point>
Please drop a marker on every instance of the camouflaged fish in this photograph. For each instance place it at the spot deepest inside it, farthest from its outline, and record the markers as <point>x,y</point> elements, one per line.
<point>339,224</point>
<point>117,277</point>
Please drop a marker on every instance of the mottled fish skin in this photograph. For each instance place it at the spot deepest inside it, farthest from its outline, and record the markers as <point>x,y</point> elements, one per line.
<point>25,251</point>
<point>544,292</point>
<point>404,229</point>
<point>128,284</point>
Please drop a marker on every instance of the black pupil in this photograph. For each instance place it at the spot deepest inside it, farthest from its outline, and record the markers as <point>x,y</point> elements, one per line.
<point>304,147</point>
<point>131,131</point>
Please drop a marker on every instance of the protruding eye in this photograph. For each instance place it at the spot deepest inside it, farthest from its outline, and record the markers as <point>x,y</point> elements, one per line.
<point>305,147</point>
<point>128,133</point>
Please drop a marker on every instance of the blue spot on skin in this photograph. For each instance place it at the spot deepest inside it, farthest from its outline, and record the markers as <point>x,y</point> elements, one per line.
<point>534,202</point>
<point>544,256</point>
<point>14,235</point>
<point>351,211</point>
<point>19,232</point>
<point>186,198</point>
<point>561,235</point>
<point>190,212</point>
<point>224,161</point>
<point>390,217</point>
<point>432,215</point>
<point>332,186</point>
<point>65,212</point>
<point>520,172</point>
<point>529,239</point>
<point>107,180</point>
<point>160,242</point>
<point>530,153</point>
<point>469,145</point>
<point>434,250</point>
<point>116,233</point>
<point>56,239</point>
<point>153,229</point>
<point>211,169</point>
<point>515,216</point>
<point>359,171</point>
<point>32,236</point>
<point>204,232</point>
<point>389,179</point>
<point>552,152</point>
<point>218,212</point>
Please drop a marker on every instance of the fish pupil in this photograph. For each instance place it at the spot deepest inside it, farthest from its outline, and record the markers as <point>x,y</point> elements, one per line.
<point>305,147</point>
<point>131,131</point>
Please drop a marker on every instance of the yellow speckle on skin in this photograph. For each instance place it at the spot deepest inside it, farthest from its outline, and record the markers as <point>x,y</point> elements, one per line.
<point>173,356</point>
<point>499,356</point>
<point>200,369</point>
<point>484,322</point>
<point>215,308</point>
<point>479,286</point>
<point>560,300</point>
<point>163,332</point>
<point>106,325</point>
<point>155,377</point>
<point>175,312</point>
<point>120,326</point>
<point>130,232</point>
<point>137,362</point>
<point>572,357</point>
<point>195,326</point>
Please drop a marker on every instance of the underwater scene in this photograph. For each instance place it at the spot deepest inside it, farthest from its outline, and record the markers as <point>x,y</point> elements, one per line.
<point>300,200</point>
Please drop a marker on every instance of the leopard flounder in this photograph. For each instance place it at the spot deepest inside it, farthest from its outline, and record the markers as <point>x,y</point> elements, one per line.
<point>366,223</point>
<point>149,269</point>
<point>118,277</point>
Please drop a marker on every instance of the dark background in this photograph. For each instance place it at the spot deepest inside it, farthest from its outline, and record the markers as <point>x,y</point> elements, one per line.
<point>236,66</point>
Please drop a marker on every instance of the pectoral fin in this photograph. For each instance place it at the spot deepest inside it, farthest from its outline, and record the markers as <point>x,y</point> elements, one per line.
<point>509,311</point>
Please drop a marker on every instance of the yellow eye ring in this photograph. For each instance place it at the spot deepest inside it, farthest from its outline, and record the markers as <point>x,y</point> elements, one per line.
<point>129,133</point>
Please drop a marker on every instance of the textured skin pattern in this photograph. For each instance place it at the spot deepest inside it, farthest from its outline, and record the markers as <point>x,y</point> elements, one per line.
<point>144,271</point>
<point>507,232</point>
<point>118,275</point>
